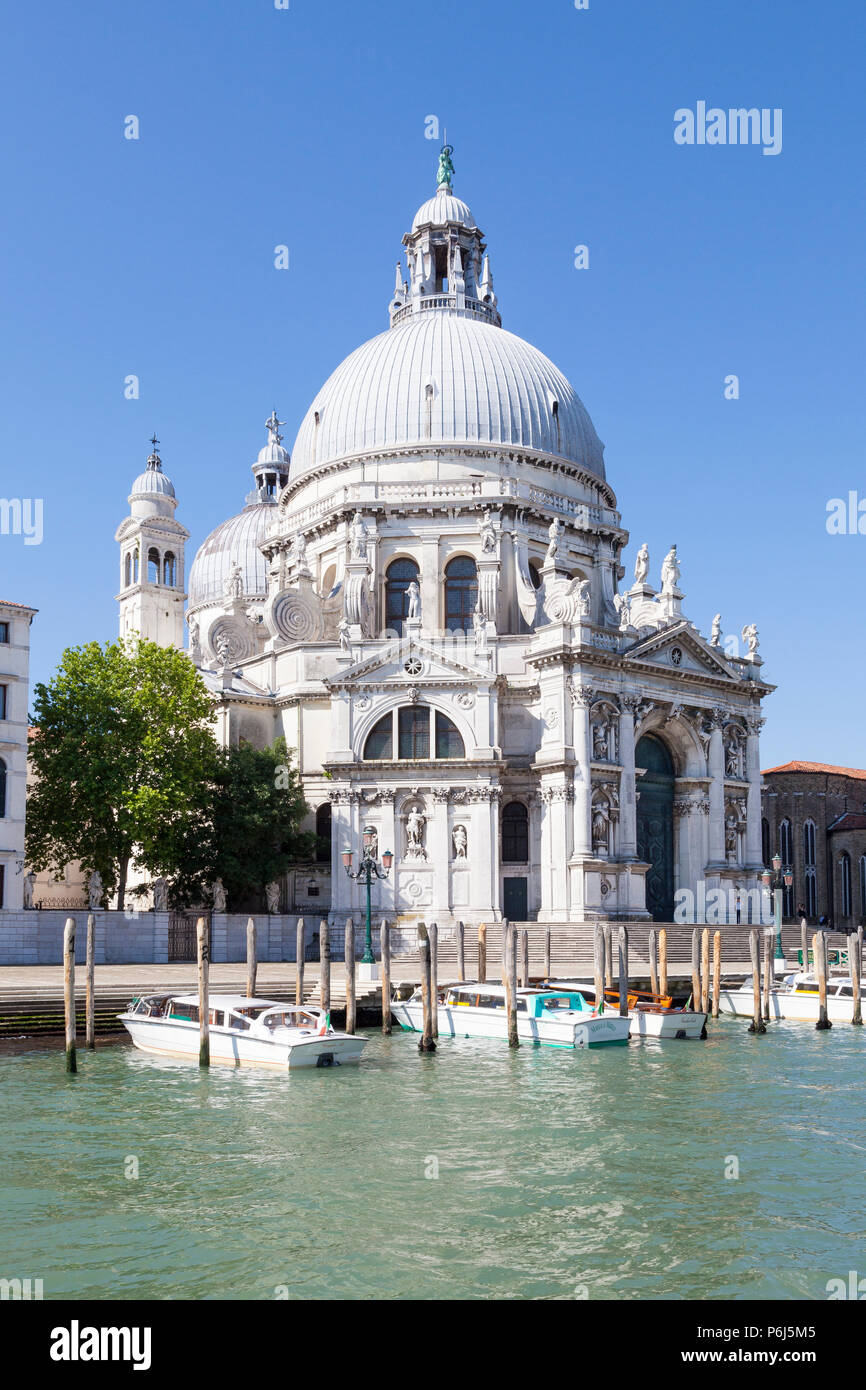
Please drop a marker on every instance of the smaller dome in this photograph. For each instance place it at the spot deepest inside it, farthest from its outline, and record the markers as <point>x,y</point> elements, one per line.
<point>441,208</point>
<point>235,542</point>
<point>153,482</point>
<point>273,455</point>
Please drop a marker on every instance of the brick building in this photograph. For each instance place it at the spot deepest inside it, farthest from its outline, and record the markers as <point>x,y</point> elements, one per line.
<point>814,816</point>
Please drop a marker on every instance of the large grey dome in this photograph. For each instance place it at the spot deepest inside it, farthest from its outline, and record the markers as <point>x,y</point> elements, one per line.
<point>440,377</point>
<point>235,542</point>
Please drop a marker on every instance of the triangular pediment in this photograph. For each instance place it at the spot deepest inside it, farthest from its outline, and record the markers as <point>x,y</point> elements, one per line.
<point>412,662</point>
<point>680,649</point>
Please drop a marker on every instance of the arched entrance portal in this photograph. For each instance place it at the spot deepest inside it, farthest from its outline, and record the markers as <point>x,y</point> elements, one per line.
<point>655,825</point>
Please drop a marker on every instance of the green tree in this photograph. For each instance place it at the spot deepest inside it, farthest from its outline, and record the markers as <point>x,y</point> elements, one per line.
<point>255,817</point>
<point>124,758</point>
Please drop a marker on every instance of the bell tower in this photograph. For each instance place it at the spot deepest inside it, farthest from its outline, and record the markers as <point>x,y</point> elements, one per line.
<point>151,542</point>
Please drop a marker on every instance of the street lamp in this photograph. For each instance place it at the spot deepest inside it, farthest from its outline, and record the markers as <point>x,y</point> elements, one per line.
<point>776,880</point>
<point>367,870</point>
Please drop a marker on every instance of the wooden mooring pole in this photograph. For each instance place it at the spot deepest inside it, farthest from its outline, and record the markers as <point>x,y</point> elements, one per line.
<point>349,958</point>
<point>696,969</point>
<point>69,992</point>
<point>705,970</point>
<point>855,961</point>
<point>598,967</point>
<point>768,974</point>
<point>652,952</point>
<point>482,951</point>
<point>757,1024</point>
<point>325,966</point>
<point>717,971</point>
<point>804,944</point>
<point>433,932</point>
<point>202,943</point>
<point>663,961</point>
<point>819,946</point>
<point>426,1043</point>
<point>608,957</point>
<point>385,953</point>
<point>547,970</point>
<point>461,951</point>
<point>622,953</point>
<point>299,961</point>
<point>89,1001</point>
<point>252,962</point>
<point>511,983</point>
<point>524,949</point>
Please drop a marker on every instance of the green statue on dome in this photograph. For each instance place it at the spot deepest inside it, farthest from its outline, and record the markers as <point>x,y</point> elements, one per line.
<point>446,168</point>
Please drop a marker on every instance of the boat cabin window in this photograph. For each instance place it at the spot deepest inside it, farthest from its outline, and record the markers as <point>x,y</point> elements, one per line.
<point>462,997</point>
<point>491,1001</point>
<point>559,1001</point>
<point>238,1021</point>
<point>187,1012</point>
<point>846,992</point>
<point>806,987</point>
<point>217,1018</point>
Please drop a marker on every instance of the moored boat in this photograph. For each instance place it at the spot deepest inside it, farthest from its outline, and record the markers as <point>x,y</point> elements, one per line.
<point>795,997</point>
<point>246,1032</point>
<point>650,1015</point>
<point>557,1017</point>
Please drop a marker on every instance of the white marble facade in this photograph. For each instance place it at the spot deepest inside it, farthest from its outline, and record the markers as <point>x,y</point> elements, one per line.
<point>436,569</point>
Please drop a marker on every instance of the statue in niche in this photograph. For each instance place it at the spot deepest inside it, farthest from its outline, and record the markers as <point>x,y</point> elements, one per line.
<point>641,564</point>
<point>731,836</point>
<point>716,634</point>
<point>359,537</point>
<point>272,897</point>
<point>600,741</point>
<point>298,552</point>
<point>94,891</point>
<point>623,608</point>
<point>670,571</point>
<point>415,824</point>
<point>749,635</point>
<point>160,895</point>
<point>488,535</point>
<point>218,894</point>
<point>599,827</point>
<point>413,594</point>
<point>460,841</point>
<point>479,628</point>
<point>732,760</point>
<point>343,628</point>
<point>234,585</point>
<point>554,531</point>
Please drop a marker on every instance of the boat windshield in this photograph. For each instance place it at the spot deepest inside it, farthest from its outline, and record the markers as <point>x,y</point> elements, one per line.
<point>290,1018</point>
<point>561,1003</point>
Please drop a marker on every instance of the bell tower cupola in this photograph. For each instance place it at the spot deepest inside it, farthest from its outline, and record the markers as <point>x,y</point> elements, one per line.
<point>152,542</point>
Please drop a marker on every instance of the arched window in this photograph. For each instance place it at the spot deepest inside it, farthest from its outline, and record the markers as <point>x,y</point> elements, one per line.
<point>418,729</point>
<point>323,833</point>
<point>535,574</point>
<point>845,883</point>
<point>153,566</point>
<point>2,788</point>
<point>398,577</point>
<point>515,833</point>
<point>863,886</point>
<point>169,570</point>
<point>809,843</point>
<point>127,570</point>
<point>786,850</point>
<point>135,566</point>
<point>810,877</point>
<point>461,593</point>
<point>765,842</point>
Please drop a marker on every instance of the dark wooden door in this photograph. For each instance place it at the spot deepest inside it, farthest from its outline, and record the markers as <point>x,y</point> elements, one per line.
<point>655,825</point>
<point>515,899</point>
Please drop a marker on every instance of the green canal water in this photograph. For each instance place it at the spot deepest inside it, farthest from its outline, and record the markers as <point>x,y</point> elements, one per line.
<point>560,1175</point>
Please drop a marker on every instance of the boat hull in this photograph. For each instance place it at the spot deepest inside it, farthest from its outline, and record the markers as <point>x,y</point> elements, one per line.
<point>800,1008</point>
<point>168,1038</point>
<point>645,1024</point>
<point>456,1022</point>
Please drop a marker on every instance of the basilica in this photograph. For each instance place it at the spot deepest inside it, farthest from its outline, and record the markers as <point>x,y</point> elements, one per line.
<point>426,597</point>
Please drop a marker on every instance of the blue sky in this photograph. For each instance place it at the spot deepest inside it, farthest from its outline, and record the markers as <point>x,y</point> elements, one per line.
<point>305,126</point>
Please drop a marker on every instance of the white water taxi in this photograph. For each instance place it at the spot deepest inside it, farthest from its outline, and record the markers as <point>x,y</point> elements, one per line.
<point>246,1032</point>
<point>650,1015</point>
<point>558,1017</point>
<point>795,997</point>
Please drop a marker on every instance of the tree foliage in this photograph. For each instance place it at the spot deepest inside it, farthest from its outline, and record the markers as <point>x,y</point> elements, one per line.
<point>124,757</point>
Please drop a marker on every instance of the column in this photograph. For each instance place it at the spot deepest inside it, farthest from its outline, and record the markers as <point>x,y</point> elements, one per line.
<point>627,798</point>
<point>341,838</point>
<point>581,696</point>
<point>716,770</point>
<point>558,812</point>
<point>430,584</point>
<point>754,724</point>
<point>439,853</point>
